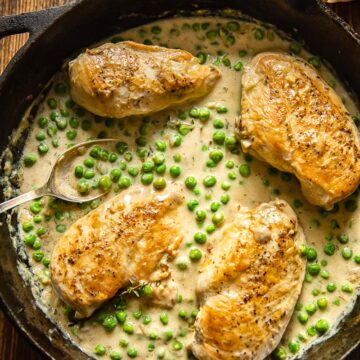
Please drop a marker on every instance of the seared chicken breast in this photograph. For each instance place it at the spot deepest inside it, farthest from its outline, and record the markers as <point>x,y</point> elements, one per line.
<point>249,283</point>
<point>293,120</point>
<point>128,238</point>
<point>127,78</point>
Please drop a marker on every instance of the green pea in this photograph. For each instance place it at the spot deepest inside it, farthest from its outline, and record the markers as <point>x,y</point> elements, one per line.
<point>60,88</point>
<point>324,274</point>
<point>209,181</point>
<point>238,66</point>
<point>168,335</point>
<point>331,287</point>
<point>322,326</point>
<point>175,140</point>
<point>357,259</point>
<point>124,182</point>
<point>159,183</point>
<point>35,207</point>
<point>37,219</point>
<point>147,291</point>
<point>311,254</point>
<point>89,162</point>
<point>159,158</point>
<point>137,314</point>
<point>29,160</point>
<point>190,182</point>
<point>219,137</point>
<point>218,124</point>
<point>259,34</point>
<point>322,303</point>
<point>212,35</point>
<point>315,61</point>
<point>147,178</point>
<point>200,215</point>
<point>52,103</point>
<point>40,231</point>
<point>204,114</point>
<point>133,171</point>
<point>177,345</point>
<point>160,145</point>
<point>71,134</point>
<point>132,352</point>
<point>230,164</point>
<point>225,198</point>
<point>192,204</point>
<point>89,174</point>
<point>43,122</point>
<point>115,175</point>
<point>351,205</point>
<point>61,123</point>
<point>128,328</point>
<point>279,353</point>
<point>121,316</point>
<point>230,142</point>
<point>295,48</point>
<point>42,148</point>
<point>40,136</point>
<point>217,218</point>
<point>343,238</point>
<point>182,263</point>
<point>27,226</point>
<point>105,183</point>
<point>100,350</point>
<point>38,255</point>
<point>124,343</point>
<point>115,355</point>
<point>160,169</point>
<point>303,317</point>
<point>215,206</point>
<point>109,322</point>
<point>141,141</point>
<point>83,186</point>
<point>86,125</point>
<point>175,171</point>
<point>183,314</point>
<point>200,237</point>
<point>177,158</point>
<point>121,147</point>
<point>61,228</point>
<point>313,269</point>
<point>30,239</point>
<point>294,346</point>
<point>244,170</point>
<point>310,308</point>
<point>146,320</point>
<point>156,30</point>
<point>216,155</point>
<point>329,249</point>
<point>202,57</point>
<point>346,253</point>
<point>46,261</point>
<point>153,335</point>
<point>221,109</point>
<point>164,318</point>
<point>195,254</point>
<point>347,288</point>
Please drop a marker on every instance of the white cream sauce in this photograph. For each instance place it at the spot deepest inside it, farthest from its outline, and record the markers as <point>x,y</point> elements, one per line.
<point>248,191</point>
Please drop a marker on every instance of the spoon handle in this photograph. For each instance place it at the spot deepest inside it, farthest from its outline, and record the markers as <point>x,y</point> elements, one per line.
<point>18,200</point>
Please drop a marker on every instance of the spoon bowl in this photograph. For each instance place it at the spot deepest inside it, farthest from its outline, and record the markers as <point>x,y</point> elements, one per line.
<point>57,183</point>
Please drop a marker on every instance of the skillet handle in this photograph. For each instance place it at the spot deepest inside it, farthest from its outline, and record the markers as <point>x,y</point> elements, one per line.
<point>32,22</point>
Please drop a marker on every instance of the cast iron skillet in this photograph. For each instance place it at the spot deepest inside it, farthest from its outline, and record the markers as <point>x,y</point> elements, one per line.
<point>58,33</point>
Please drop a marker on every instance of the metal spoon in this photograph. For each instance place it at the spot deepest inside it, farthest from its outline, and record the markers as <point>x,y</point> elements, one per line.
<point>55,184</point>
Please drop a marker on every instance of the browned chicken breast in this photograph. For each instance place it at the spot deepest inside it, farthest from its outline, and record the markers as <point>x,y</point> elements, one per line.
<point>123,79</point>
<point>293,120</point>
<point>127,238</point>
<point>249,284</point>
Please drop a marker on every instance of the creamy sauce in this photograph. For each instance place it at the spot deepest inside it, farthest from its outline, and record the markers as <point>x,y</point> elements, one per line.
<point>263,185</point>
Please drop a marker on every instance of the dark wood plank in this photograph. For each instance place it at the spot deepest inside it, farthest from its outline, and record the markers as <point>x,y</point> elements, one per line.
<point>13,346</point>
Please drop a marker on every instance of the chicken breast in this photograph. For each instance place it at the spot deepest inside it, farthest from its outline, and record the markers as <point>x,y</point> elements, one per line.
<point>249,284</point>
<point>128,238</point>
<point>123,79</point>
<point>293,120</point>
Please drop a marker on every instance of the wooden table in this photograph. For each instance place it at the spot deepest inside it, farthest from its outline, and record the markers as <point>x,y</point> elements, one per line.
<point>13,346</point>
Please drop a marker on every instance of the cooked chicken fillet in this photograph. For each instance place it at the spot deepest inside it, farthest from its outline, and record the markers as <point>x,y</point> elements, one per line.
<point>127,238</point>
<point>293,120</point>
<point>249,284</point>
<point>123,79</point>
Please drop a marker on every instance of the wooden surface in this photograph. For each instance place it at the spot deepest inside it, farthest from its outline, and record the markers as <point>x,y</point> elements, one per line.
<point>13,346</point>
